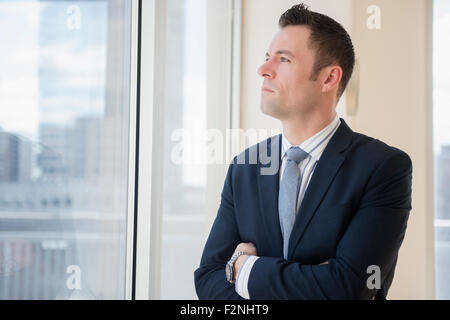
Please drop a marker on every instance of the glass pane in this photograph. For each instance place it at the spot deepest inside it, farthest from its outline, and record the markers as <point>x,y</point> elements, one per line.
<point>185,183</point>
<point>441,125</point>
<point>64,97</point>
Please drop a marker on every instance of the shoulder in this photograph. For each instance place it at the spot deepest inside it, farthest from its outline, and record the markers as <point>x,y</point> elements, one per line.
<point>377,153</point>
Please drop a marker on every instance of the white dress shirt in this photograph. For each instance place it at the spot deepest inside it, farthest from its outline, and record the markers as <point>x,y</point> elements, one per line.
<point>314,146</point>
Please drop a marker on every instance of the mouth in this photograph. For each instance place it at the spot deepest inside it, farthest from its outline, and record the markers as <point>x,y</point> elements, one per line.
<point>266,89</point>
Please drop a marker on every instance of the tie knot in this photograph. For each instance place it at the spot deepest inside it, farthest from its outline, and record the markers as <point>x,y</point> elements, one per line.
<point>296,154</point>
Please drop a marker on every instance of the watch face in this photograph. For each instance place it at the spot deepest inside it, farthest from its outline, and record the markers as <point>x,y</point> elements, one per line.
<point>228,272</point>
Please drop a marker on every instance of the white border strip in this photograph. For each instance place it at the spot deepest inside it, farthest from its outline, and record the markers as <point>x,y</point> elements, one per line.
<point>132,148</point>
<point>144,185</point>
<point>235,67</point>
<point>430,244</point>
<point>149,224</point>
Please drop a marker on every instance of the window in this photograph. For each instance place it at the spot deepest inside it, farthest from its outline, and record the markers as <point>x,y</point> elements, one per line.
<point>441,125</point>
<point>64,159</point>
<point>68,78</point>
<point>197,74</point>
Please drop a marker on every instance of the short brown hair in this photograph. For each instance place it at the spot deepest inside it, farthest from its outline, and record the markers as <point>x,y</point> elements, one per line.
<point>330,40</point>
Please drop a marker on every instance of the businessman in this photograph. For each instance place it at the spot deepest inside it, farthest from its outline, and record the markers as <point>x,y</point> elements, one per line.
<point>322,205</point>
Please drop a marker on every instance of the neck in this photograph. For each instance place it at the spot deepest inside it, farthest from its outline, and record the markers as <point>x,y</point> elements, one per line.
<point>299,129</point>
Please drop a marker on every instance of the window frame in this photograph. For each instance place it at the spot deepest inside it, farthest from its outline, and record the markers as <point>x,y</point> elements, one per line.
<point>132,150</point>
<point>147,233</point>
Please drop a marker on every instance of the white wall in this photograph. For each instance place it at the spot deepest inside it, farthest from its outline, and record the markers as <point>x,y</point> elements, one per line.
<point>395,107</point>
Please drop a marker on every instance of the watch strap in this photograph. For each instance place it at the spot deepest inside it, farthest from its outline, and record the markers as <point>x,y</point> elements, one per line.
<point>230,265</point>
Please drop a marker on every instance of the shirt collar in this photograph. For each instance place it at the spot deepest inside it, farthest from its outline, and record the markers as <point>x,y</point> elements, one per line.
<point>310,144</point>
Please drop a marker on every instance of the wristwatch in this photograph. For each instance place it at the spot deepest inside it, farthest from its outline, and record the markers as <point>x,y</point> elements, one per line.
<point>229,268</point>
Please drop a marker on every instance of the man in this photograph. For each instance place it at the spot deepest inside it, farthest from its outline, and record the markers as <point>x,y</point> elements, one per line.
<point>331,218</point>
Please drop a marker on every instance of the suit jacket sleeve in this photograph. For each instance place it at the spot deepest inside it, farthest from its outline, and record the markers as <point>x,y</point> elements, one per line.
<point>210,279</point>
<point>373,237</point>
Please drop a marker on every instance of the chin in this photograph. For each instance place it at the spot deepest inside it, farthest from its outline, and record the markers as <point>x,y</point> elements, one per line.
<point>270,110</point>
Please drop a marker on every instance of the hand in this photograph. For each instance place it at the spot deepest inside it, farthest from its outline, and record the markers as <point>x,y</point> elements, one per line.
<point>250,250</point>
<point>238,264</point>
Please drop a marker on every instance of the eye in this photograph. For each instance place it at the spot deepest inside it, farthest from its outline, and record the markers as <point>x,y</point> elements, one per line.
<point>283,59</point>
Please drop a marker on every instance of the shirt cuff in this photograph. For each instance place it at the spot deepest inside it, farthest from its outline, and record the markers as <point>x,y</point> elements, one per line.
<point>241,285</point>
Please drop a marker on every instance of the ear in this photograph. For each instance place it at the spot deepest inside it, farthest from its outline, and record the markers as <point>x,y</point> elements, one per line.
<point>331,78</point>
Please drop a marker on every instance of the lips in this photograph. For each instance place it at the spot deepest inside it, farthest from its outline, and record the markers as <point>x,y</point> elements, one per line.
<point>267,89</point>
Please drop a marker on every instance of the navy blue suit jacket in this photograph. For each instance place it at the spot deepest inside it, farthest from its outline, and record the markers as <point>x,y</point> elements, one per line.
<point>354,214</point>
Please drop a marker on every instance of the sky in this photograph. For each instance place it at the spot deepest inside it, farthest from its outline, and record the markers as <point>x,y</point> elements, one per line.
<point>59,77</point>
<point>194,95</point>
<point>50,72</point>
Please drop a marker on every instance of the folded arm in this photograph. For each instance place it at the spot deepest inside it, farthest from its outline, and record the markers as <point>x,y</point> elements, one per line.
<point>210,279</point>
<point>373,237</point>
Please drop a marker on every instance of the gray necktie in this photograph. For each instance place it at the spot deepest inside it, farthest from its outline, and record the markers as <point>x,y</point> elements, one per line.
<point>287,199</point>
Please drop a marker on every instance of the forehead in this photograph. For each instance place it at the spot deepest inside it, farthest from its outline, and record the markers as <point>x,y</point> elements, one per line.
<point>292,38</point>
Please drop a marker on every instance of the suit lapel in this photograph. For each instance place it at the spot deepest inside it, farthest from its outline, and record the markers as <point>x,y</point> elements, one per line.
<point>268,186</point>
<point>326,169</point>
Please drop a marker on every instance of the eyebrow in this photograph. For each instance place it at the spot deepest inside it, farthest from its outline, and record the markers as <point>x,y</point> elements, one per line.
<point>287,52</point>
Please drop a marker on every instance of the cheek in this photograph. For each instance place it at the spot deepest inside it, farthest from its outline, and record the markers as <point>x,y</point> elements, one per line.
<point>301,91</point>
<point>297,86</point>
<point>294,83</point>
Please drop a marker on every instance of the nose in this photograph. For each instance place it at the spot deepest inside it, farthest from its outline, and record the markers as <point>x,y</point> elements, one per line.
<point>266,70</point>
